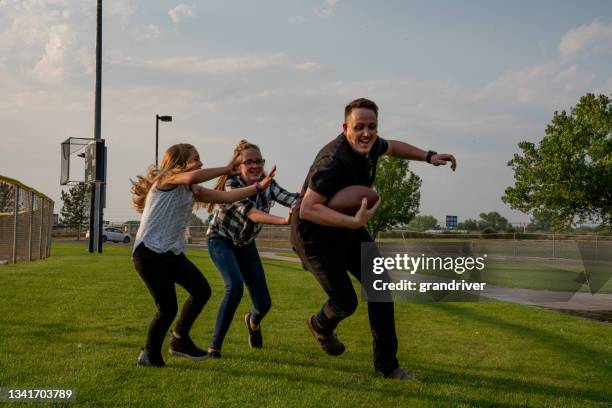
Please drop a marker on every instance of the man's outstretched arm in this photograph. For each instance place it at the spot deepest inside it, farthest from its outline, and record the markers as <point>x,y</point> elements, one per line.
<point>407,151</point>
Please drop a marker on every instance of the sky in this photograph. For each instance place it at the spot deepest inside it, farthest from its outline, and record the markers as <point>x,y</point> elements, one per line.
<point>471,78</point>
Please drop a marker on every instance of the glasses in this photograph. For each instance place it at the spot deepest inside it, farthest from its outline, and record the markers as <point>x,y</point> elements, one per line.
<point>257,162</point>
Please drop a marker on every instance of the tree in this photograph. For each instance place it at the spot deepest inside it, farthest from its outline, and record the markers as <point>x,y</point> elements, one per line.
<point>423,223</point>
<point>541,220</point>
<point>75,210</point>
<point>7,197</point>
<point>492,220</point>
<point>468,225</point>
<point>398,188</point>
<point>569,173</point>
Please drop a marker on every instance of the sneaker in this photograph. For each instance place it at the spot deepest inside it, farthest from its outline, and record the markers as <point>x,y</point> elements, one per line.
<point>400,374</point>
<point>255,339</point>
<point>214,354</point>
<point>183,346</point>
<point>330,344</point>
<point>149,359</point>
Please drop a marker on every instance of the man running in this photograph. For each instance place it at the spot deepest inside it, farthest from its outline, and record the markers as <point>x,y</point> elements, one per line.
<point>329,242</point>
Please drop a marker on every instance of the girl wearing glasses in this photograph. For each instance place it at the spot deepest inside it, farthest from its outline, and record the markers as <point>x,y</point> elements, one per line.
<point>166,196</point>
<point>231,243</point>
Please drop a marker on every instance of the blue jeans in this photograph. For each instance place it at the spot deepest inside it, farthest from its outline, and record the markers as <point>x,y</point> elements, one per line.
<point>238,266</point>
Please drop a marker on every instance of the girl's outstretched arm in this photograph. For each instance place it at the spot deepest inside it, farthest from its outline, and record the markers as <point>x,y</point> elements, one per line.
<point>200,175</point>
<point>261,217</point>
<point>207,195</point>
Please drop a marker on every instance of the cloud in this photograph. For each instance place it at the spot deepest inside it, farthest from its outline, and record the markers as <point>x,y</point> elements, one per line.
<point>308,66</point>
<point>52,66</point>
<point>596,37</point>
<point>198,65</point>
<point>123,9</point>
<point>327,9</point>
<point>45,39</point>
<point>179,12</point>
<point>146,32</point>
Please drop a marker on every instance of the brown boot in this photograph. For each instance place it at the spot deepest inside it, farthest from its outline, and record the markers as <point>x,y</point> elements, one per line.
<point>400,374</point>
<point>330,344</point>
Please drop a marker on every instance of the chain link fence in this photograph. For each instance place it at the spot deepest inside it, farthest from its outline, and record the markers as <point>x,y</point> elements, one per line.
<point>26,219</point>
<point>518,245</point>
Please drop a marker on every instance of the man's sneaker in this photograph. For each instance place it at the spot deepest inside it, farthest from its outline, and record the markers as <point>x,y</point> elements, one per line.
<point>149,359</point>
<point>255,339</point>
<point>400,374</point>
<point>330,344</point>
<point>214,354</point>
<point>183,346</point>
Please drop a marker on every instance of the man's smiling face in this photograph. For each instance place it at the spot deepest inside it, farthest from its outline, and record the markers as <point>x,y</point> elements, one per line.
<point>361,129</point>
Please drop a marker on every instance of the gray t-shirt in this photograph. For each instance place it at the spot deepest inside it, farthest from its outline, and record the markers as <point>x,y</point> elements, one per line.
<point>164,219</point>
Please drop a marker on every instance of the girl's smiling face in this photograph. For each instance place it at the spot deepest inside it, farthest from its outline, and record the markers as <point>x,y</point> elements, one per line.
<point>193,161</point>
<point>251,166</point>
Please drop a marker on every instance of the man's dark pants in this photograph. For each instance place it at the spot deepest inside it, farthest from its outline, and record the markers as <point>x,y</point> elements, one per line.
<point>329,262</point>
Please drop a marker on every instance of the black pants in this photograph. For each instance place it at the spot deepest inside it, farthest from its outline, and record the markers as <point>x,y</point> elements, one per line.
<point>329,263</point>
<point>160,272</point>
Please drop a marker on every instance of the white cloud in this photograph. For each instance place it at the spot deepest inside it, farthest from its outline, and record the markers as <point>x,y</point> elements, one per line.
<point>308,66</point>
<point>52,66</point>
<point>327,9</point>
<point>123,9</point>
<point>547,84</point>
<point>45,39</point>
<point>146,32</point>
<point>595,37</point>
<point>181,11</point>
<point>197,65</point>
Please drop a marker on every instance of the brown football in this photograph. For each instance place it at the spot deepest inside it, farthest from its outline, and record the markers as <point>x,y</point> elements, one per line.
<point>348,200</point>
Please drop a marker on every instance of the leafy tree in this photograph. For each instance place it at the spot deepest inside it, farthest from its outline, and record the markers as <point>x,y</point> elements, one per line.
<point>398,188</point>
<point>468,225</point>
<point>492,221</point>
<point>75,210</point>
<point>569,173</point>
<point>423,223</point>
<point>541,220</point>
<point>7,197</point>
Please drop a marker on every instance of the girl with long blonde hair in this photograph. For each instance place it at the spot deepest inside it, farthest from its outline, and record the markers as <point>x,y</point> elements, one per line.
<point>231,243</point>
<point>166,197</point>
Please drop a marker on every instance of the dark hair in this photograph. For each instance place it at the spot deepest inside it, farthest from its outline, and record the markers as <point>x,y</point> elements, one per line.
<point>360,103</point>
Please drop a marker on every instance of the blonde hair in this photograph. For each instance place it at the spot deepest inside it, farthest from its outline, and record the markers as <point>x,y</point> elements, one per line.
<point>240,147</point>
<point>173,162</point>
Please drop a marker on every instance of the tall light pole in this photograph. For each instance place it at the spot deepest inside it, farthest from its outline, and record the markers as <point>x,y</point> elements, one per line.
<point>163,118</point>
<point>96,213</point>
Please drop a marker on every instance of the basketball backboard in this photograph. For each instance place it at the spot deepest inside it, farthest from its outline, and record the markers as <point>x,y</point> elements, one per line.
<point>78,160</point>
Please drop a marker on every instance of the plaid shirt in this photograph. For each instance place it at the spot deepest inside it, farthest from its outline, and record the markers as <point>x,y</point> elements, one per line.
<point>230,220</point>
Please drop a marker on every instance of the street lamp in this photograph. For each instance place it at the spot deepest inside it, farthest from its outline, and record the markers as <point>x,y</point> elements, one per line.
<point>163,118</point>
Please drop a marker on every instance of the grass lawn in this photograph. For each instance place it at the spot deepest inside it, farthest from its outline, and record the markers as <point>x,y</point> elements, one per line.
<point>78,320</point>
<point>552,276</point>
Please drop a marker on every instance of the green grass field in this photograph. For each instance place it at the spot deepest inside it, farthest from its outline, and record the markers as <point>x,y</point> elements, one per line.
<point>540,276</point>
<point>78,320</point>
